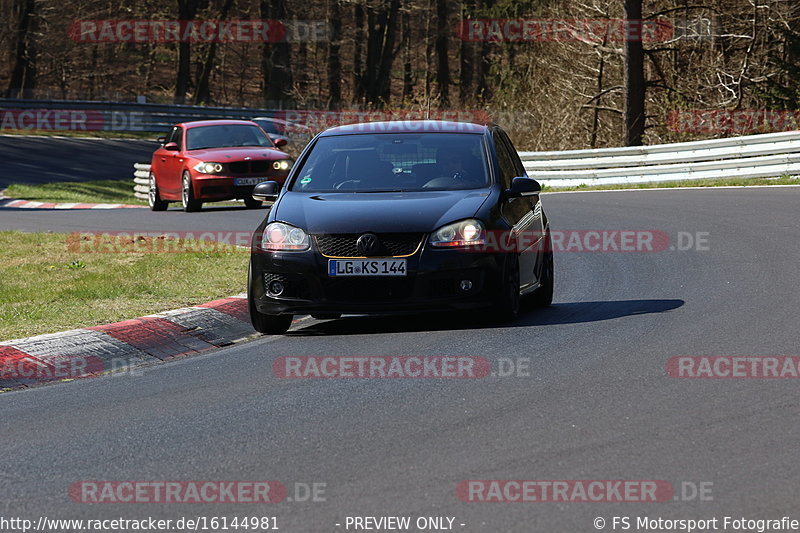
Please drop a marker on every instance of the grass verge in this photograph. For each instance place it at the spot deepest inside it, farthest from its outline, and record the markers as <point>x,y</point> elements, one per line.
<point>51,284</point>
<point>727,182</point>
<point>93,192</point>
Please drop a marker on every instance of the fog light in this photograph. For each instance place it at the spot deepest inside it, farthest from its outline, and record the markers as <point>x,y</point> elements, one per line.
<point>465,285</point>
<point>275,288</point>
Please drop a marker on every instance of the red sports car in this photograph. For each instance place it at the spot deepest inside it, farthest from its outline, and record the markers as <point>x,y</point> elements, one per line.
<point>214,160</point>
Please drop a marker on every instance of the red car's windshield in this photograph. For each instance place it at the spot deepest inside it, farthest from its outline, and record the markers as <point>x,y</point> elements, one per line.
<point>226,135</point>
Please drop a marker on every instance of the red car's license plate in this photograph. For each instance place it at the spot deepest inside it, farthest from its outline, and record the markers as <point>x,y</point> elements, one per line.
<point>248,181</point>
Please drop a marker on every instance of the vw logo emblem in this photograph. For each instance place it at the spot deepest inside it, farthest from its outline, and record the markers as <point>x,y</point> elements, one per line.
<point>368,244</point>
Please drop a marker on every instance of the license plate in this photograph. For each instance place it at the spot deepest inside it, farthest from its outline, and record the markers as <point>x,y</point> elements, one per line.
<point>248,181</point>
<point>366,267</point>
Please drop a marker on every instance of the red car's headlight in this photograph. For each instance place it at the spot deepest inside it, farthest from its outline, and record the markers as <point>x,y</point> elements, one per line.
<point>208,168</point>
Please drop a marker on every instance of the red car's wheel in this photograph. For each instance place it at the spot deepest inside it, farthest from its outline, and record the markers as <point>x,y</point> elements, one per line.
<point>153,198</point>
<point>187,195</point>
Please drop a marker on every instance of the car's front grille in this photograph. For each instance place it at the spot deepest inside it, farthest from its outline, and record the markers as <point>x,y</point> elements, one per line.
<point>249,167</point>
<point>391,244</point>
<point>367,289</point>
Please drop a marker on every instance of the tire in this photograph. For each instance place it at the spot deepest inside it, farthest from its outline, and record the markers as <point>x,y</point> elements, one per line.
<point>264,323</point>
<point>543,296</point>
<point>252,203</point>
<point>153,198</point>
<point>506,308</point>
<point>187,195</point>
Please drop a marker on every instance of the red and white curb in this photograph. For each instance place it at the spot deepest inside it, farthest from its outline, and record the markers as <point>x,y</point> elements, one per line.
<point>96,350</point>
<point>28,204</point>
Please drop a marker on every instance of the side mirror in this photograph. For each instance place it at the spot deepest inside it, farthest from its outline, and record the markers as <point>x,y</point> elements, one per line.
<point>280,142</point>
<point>523,187</point>
<point>160,140</point>
<point>266,191</point>
<point>172,147</point>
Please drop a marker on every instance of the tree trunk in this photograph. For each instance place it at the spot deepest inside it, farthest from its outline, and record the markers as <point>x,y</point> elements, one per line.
<point>408,71</point>
<point>187,9</point>
<point>442,57</point>
<point>203,93</point>
<point>23,73</point>
<point>334,60</point>
<point>467,56</point>
<point>276,59</point>
<point>484,65</point>
<point>381,31</point>
<point>634,75</point>
<point>358,38</point>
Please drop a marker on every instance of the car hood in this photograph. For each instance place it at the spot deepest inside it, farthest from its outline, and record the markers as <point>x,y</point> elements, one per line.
<point>377,212</point>
<point>222,155</point>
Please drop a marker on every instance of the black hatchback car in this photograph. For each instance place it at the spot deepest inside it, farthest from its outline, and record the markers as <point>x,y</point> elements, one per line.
<point>394,217</point>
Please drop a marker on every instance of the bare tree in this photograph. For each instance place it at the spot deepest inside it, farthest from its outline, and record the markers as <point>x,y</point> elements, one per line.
<point>23,72</point>
<point>276,59</point>
<point>634,83</point>
<point>187,11</point>
<point>334,59</point>
<point>442,53</point>
<point>381,34</point>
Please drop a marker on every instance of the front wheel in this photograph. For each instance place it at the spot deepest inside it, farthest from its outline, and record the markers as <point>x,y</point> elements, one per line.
<point>506,308</point>
<point>154,198</point>
<point>187,195</point>
<point>262,322</point>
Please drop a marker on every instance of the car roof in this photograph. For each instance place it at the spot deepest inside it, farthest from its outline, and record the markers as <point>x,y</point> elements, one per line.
<point>229,122</point>
<point>407,126</point>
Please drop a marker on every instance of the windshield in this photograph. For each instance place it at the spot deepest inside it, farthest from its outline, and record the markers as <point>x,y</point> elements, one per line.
<point>390,162</point>
<point>267,125</point>
<point>226,135</point>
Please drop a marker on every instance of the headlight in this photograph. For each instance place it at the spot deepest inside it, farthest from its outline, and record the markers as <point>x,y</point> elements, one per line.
<point>284,164</point>
<point>464,233</point>
<point>208,168</point>
<point>279,236</point>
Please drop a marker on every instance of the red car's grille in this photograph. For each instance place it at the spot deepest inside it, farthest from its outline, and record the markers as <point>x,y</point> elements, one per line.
<point>249,167</point>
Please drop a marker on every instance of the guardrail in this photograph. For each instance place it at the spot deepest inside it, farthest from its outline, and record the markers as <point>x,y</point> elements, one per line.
<point>141,180</point>
<point>85,115</point>
<point>750,156</point>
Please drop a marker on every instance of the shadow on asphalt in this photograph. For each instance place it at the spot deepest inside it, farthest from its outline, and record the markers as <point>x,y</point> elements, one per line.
<point>561,313</point>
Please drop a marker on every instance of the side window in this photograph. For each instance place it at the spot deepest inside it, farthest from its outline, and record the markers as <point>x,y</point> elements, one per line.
<point>177,136</point>
<point>505,162</point>
<point>174,136</point>
<point>519,169</point>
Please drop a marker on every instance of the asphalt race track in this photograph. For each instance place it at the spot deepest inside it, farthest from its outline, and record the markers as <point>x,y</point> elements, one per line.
<point>597,404</point>
<point>45,159</point>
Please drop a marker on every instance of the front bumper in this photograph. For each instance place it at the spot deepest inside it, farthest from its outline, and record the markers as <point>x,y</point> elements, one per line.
<point>220,187</point>
<point>432,283</point>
